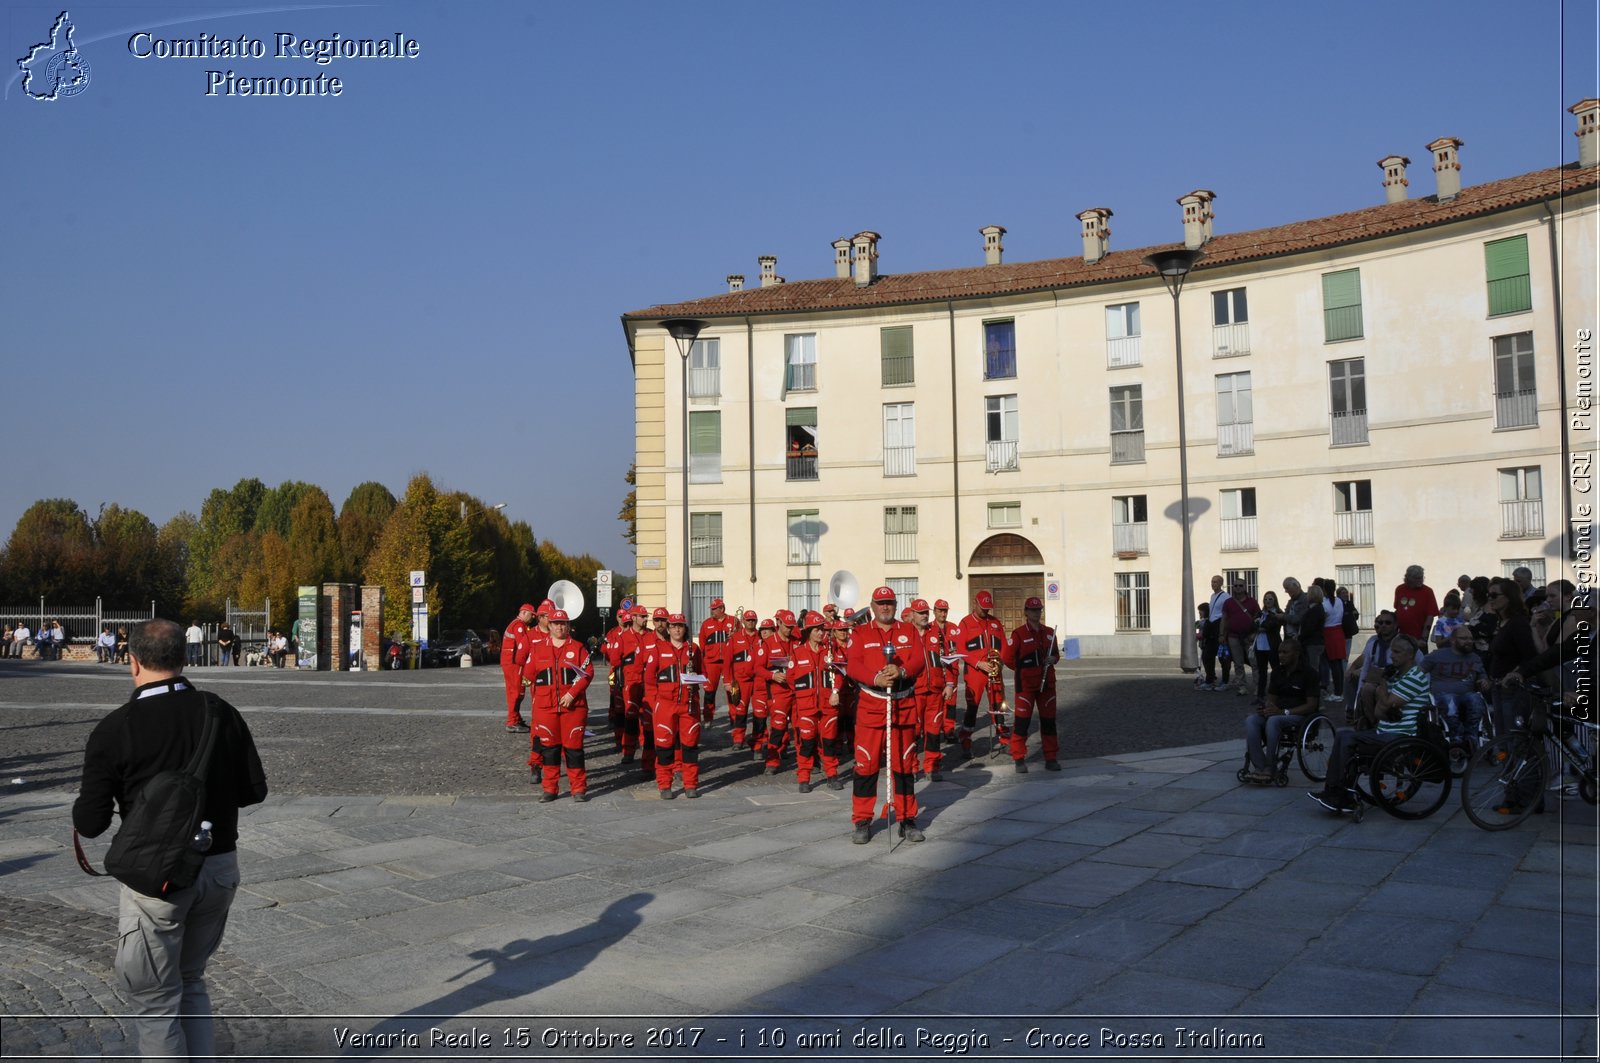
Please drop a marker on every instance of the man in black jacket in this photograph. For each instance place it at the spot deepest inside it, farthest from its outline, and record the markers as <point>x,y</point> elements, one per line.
<point>165,942</point>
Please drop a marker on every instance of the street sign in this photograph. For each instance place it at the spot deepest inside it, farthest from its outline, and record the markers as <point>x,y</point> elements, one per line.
<point>419,578</point>
<point>602,588</point>
<point>1052,591</point>
<point>418,594</point>
<point>627,603</point>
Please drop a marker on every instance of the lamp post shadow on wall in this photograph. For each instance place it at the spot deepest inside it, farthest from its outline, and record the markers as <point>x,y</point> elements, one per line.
<point>1173,266</point>
<point>684,331</point>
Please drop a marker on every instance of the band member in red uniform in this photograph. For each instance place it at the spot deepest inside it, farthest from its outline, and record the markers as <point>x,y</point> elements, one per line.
<point>811,682</point>
<point>558,674</point>
<point>513,653</point>
<point>619,649</point>
<point>982,642</point>
<point>952,672</point>
<point>1033,653</point>
<point>772,662</point>
<point>758,698</point>
<point>675,707</point>
<point>831,701</point>
<point>930,691</point>
<point>885,659</point>
<point>541,628</point>
<point>741,671</point>
<point>715,631</point>
<point>848,692</point>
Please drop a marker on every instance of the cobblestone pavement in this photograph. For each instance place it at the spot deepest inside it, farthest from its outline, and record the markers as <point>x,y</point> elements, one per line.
<point>400,881</point>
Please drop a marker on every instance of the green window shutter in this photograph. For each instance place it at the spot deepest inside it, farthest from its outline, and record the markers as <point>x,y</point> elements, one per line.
<point>1505,264</point>
<point>1341,305</point>
<point>705,432</point>
<point>800,417</point>
<point>898,367</point>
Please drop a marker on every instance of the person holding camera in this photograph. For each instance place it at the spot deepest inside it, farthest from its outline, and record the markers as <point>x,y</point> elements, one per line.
<point>1401,694</point>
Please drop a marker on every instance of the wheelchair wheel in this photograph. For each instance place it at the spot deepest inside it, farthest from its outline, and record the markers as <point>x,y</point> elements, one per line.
<point>1410,778</point>
<point>1505,781</point>
<point>1586,788</point>
<point>1315,747</point>
<point>1460,756</point>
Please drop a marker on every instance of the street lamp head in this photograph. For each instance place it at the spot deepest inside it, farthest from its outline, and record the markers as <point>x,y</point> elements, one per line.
<point>684,331</point>
<point>1174,266</point>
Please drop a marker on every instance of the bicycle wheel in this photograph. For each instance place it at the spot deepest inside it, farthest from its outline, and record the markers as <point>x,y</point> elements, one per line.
<point>1505,781</point>
<point>1410,778</point>
<point>1316,745</point>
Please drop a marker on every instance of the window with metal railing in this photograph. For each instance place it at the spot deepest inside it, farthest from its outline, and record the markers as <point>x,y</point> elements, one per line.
<point>1127,424</point>
<point>899,439</point>
<point>1236,430</point>
<point>1347,397</point>
<point>805,530</point>
<point>1000,433</point>
<point>800,443</point>
<point>1133,601</point>
<point>705,370</point>
<point>899,533</point>
<point>705,447</point>
<point>1521,503</point>
<point>1122,335</point>
<point>1130,525</point>
<point>1230,330</point>
<point>897,366</point>
<point>800,361</point>
<point>1341,305</point>
<point>705,538</point>
<point>1516,395</point>
<point>1239,518</point>
<point>1352,513</point>
<point>1506,269</point>
<point>701,595</point>
<point>999,350</point>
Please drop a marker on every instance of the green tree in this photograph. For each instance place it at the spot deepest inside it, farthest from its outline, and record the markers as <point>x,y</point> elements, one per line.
<point>50,553</point>
<point>361,522</point>
<point>225,516</point>
<point>406,544</point>
<point>629,513</point>
<point>172,542</point>
<point>313,541</point>
<point>128,565</point>
<point>276,511</point>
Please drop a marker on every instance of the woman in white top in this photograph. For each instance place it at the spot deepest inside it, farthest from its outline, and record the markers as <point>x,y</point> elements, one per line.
<point>1335,648</point>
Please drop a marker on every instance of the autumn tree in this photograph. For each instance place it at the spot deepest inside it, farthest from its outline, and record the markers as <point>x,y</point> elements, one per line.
<point>361,521</point>
<point>629,513</point>
<point>222,543</point>
<point>276,510</point>
<point>50,553</point>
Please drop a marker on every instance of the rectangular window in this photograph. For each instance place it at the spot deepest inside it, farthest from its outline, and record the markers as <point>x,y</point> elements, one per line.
<point>1000,432</point>
<point>898,366</point>
<point>1133,601</point>
<point>1352,513</point>
<point>705,370</point>
<point>904,589</point>
<point>804,531</point>
<point>1230,328</point>
<point>899,533</point>
<point>705,539</point>
<point>1236,430</point>
<point>705,447</point>
<point>1122,335</point>
<point>1127,424</point>
<point>999,350</point>
<point>1535,565</point>
<point>1250,577</point>
<point>800,358</point>
<point>800,442</point>
<point>804,594</point>
<point>701,592</point>
<point>1341,305</point>
<point>1239,518</point>
<point>1521,503</point>
<point>1516,398</point>
<point>1347,399</point>
<point>1361,582</point>
<point>1506,264</point>
<point>1005,514</point>
<point>1130,524</point>
<point>899,439</point>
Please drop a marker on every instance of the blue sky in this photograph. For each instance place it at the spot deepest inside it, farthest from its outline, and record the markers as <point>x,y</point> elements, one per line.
<point>426,272</point>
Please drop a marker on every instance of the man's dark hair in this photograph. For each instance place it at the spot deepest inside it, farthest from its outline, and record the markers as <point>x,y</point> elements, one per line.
<point>158,645</point>
<point>1565,586</point>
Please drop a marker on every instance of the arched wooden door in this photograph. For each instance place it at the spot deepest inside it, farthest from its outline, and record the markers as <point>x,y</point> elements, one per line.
<point>1010,567</point>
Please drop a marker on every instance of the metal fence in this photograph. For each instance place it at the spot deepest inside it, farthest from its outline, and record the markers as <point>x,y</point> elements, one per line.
<point>83,623</point>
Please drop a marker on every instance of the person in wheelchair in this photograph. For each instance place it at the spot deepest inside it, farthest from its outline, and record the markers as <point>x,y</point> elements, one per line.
<point>1457,679</point>
<point>1401,697</point>
<point>1292,696</point>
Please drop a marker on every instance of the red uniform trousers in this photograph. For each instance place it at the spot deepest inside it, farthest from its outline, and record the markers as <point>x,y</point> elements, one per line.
<point>1035,692</point>
<point>780,711</point>
<point>513,674</point>
<point>739,704</point>
<point>812,722</point>
<point>636,723</point>
<point>759,707</point>
<point>708,704</point>
<point>980,686</point>
<point>617,709</point>
<point>557,730</point>
<point>931,709</point>
<point>677,745</point>
<point>870,755</point>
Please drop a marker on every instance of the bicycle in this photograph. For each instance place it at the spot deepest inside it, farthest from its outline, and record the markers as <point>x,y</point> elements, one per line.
<point>1505,782</point>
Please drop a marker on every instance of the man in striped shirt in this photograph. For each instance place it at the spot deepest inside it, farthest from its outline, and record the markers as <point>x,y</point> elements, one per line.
<point>1402,695</point>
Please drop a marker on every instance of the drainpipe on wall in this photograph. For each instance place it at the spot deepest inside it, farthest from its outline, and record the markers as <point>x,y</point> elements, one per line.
<point>955,447</point>
<point>750,407</point>
<point>1561,380</point>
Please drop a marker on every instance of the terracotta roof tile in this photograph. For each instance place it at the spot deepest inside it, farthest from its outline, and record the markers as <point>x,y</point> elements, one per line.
<point>841,293</point>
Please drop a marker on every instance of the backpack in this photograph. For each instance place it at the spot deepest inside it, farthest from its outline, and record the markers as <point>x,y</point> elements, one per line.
<point>152,852</point>
<point>1352,621</point>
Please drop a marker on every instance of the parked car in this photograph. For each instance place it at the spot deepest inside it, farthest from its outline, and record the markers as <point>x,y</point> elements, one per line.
<point>448,649</point>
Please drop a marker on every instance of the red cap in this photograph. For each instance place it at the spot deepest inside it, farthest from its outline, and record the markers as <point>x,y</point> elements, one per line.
<point>919,605</point>
<point>525,608</point>
<point>942,604</point>
<point>838,625</point>
<point>905,614</point>
<point>661,614</point>
<point>883,594</point>
<point>677,618</point>
<point>749,614</point>
<point>784,617</point>
<point>811,619</point>
<point>546,607</point>
<point>768,623</point>
<point>848,613</point>
<point>1033,603</point>
<point>718,603</point>
<point>830,608</point>
<point>559,616</point>
<point>985,600</point>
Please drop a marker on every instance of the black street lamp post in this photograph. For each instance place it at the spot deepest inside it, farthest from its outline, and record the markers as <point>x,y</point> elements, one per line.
<point>684,331</point>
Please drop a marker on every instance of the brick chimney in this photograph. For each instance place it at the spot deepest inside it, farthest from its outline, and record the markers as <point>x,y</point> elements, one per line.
<point>992,248</point>
<point>1447,166</point>
<point>1196,217</point>
<point>1588,113</point>
<point>1096,234</point>
<point>736,282</point>
<point>769,271</point>
<point>865,244</point>
<point>1394,177</point>
<point>841,257</point>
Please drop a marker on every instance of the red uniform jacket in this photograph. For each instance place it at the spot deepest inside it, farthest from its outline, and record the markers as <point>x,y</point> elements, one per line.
<point>774,648</point>
<point>810,675</point>
<point>975,638</point>
<point>514,647</point>
<point>553,671</point>
<point>624,652</point>
<point>714,636</point>
<point>664,667</point>
<point>931,681</point>
<point>1032,651</point>
<point>866,656</point>
<point>742,646</point>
